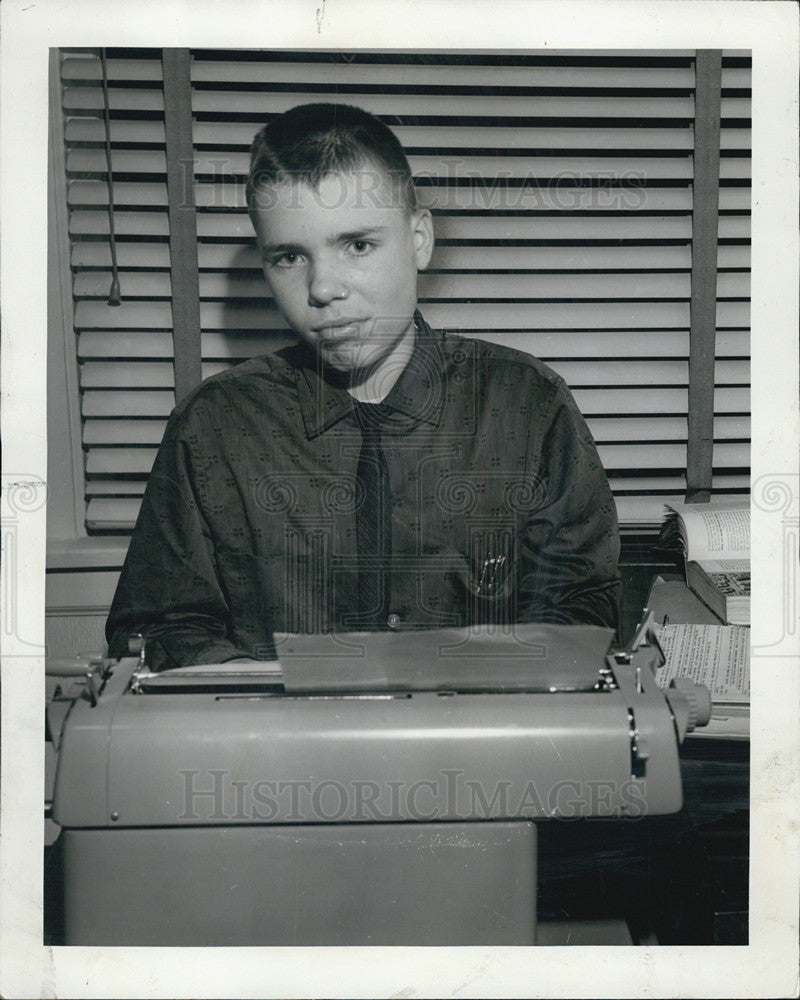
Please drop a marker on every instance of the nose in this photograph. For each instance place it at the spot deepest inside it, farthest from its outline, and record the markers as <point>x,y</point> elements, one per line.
<point>325,284</point>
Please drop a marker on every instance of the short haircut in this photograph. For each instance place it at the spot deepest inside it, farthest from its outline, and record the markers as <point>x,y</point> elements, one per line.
<point>312,141</point>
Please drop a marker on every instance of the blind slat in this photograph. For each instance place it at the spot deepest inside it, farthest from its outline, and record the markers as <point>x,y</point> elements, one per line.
<point>451,168</point>
<point>119,514</point>
<point>83,99</point>
<point>129,315</point>
<point>134,284</point>
<point>621,483</point>
<point>605,344</point>
<point>580,78</point>
<point>125,461</point>
<point>244,256</point>
<point>123,161</point>
<point>233,348</point>
<point>225,345</point>
<point>114,375</point>
<point>564,168</point>
<point>123,432</point>
<point>578,106</point>
<point>128,402</point>
<point>124,132</point>
<point>88,68</point>
<point>592,402</point>
<point>85,66</point>
<point>215,285</point>
<point>611,285</point>
<point>216,226</point>
<point>262,69</point>
<point>115,487</point>
<point>147,225</point>
<point>542,229</point>
<point>264,104</point>
<point>547,198</point>
<point>223,133</point>
<point>116,514</point>
<point>138,460</point>
<point>659,428</point>
<point>605,430</point>
<point>147,194</point>
<point>597,372</point>
<point>659,456</point>
<point>650,400</point>
<point>465,316</point>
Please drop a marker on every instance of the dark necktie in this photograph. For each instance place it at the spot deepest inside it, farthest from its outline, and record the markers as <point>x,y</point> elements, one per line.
<point>373,520</point>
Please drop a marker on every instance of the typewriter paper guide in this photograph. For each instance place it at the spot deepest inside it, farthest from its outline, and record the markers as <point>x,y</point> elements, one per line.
<point>525,657</point>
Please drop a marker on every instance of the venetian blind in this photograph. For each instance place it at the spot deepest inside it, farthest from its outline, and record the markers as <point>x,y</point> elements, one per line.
<point>561,187</point>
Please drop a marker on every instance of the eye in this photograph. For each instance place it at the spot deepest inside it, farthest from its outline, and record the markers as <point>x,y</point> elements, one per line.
<point>291,258</point>
<point>360,248</point>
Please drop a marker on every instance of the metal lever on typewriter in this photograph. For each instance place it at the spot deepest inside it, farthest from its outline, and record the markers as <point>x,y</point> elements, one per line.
<point>137,646</point>
<point>88,666</point>
<point>690,703</point>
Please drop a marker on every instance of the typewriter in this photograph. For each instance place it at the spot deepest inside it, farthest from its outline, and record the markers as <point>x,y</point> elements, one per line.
<point>380,788</point>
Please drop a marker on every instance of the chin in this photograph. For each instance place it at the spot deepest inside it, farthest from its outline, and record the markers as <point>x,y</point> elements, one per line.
<point>339,366</point>
<point>353,361</point>
<point>341,360</point>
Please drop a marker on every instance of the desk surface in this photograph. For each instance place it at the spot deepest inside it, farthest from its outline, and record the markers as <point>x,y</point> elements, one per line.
<point>688,873</point>
<point>716,788</point>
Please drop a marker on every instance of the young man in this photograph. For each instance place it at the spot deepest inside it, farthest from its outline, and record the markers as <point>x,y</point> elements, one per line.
<point>377,474</point>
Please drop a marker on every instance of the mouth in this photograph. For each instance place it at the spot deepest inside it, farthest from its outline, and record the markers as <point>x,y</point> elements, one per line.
<point>334,332</point>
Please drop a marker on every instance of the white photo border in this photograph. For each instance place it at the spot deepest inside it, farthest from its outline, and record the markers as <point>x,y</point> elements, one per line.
<point>768,966</point>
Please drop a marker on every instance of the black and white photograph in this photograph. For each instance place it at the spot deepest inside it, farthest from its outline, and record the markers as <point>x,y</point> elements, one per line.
<point>409,455</point>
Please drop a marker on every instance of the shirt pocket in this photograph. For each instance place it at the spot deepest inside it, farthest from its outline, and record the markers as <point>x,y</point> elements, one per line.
<point>489,562</point>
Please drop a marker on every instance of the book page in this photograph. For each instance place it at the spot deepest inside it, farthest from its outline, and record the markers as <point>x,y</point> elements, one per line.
<point>726,565</point>
<point>731,584</point>
<point>715,655</point>
<point>715,530</point>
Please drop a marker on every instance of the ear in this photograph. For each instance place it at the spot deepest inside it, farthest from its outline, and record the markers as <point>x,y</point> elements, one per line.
<point>422,234</point>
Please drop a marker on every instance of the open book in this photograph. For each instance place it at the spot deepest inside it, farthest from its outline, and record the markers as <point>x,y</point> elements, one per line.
<point>715,540</point>
<point>719,657</point>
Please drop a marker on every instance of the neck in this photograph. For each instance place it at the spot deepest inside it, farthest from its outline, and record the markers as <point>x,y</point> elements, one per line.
<point>374,384</point>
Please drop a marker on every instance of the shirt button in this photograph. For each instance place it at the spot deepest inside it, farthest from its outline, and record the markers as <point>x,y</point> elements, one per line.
<point>393,621</point>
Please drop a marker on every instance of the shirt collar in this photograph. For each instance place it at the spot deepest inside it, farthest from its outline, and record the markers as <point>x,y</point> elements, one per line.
<point>418,392</point>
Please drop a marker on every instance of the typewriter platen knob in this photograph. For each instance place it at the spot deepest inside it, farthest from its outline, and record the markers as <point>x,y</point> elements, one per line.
<point>690,704</point>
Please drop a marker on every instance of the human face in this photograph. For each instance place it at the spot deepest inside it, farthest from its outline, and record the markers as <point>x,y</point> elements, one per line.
<point>341,260</point>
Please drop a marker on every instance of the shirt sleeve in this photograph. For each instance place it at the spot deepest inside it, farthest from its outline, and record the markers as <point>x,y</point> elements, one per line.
<point>168,590</point>
<point>570,550</point>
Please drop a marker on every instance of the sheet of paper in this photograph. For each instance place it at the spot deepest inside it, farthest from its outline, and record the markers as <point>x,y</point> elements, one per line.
<point>522,657</point>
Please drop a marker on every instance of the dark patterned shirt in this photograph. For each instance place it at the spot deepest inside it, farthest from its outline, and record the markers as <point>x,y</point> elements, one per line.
<point>500,508</point>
